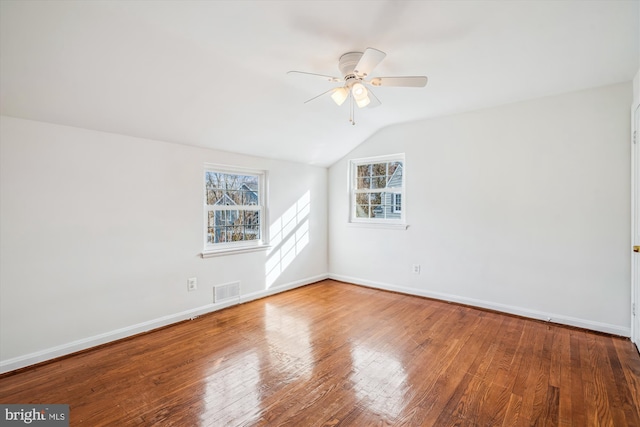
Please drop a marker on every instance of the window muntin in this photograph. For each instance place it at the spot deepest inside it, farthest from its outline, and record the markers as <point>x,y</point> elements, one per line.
<point>377,189</point>
<point>234,208</point>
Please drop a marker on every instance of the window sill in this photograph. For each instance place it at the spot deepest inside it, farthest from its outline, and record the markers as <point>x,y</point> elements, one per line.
<point>233,251</point>
<point>395,226</point>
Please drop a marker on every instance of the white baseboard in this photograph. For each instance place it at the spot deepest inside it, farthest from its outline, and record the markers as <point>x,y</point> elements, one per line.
<point>519,311</point>
<point>84,344</point>
<point>288,286</point>
<point>87,343</point>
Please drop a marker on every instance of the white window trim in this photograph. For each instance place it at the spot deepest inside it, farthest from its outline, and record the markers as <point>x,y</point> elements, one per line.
<point>378,225</point>
<point>235,250</point>
<point>262,244</point>
<point>398,224</point>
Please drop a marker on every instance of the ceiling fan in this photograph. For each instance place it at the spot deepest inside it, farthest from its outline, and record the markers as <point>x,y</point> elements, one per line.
<point>356,68</point>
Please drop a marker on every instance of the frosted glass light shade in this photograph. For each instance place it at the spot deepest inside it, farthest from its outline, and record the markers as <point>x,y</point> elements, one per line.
<point>363,102</point>
<point>339,95</point>
<point>359,91</point>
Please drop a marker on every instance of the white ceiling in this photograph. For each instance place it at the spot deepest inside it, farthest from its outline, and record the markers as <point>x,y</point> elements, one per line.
<point>213,73</point>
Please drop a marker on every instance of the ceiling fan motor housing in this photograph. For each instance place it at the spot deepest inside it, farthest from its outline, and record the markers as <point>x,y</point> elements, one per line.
<point>348,62</point>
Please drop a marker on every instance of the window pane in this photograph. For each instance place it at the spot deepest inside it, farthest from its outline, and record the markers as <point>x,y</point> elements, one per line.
<point>395,175</point>
<point>362,198</point>
<point>379,182</point>
<point>249,197</point>
<point>214,195</point>
<point>251,218</point>
<point>362,211</point>
<point>379,169</point>
<point>363,170</point>
<point>233,226</point>
<point>210,227</point>
<point>377,211</point>
<point>235,233</point>
<point>231,189</point>
<point>364,183</point>
<point>226,234</point>
<point>252,232</point>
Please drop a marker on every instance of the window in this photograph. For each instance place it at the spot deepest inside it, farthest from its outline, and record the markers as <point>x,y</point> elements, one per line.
<point>377,190</point>
<point>234,209</point>
<point>397,202</point>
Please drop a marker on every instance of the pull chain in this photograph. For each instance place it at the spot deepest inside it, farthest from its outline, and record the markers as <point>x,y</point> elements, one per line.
<point>352,118</point>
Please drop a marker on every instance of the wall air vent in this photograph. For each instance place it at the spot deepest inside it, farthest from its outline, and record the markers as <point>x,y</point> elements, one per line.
<point>226,292</point>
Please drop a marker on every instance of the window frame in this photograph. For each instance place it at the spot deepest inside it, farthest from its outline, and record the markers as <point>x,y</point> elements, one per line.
<point>224,248</point>
<point>353,220</point>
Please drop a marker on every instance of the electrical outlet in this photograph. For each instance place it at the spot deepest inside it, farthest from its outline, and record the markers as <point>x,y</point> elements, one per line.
<point>192,284</point>
<point>415,268</point>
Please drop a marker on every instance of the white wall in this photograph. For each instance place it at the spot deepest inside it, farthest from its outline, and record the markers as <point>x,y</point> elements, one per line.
<point>635,201</point>
<point>522,208</point>
<point>99,233</point>
<point>636,88</point>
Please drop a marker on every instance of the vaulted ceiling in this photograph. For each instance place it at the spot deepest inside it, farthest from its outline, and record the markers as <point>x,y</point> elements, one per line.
<point>214,73</point>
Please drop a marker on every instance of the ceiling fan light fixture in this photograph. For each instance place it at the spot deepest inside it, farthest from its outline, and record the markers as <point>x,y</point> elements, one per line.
<point>359,91</point>
<point>363,102</point>
<point>339,95</point>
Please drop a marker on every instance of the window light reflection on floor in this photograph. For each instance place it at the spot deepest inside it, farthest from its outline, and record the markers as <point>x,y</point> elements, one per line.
<point>379,379</point>
<point>289,339</point>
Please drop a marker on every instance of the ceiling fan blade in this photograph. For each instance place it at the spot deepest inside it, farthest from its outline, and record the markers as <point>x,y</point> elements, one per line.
<point>321,76</point>
<point>410,81</point>
<point>373,100</point>
<point>318,96</point>
<point>370,58</point>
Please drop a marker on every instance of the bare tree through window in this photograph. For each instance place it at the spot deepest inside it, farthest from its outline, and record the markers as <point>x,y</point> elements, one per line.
<point>234,207</point>
<point>377,190</point>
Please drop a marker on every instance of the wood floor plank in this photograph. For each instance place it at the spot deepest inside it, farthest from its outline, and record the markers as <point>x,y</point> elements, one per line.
<point>630,365</point>
<point>532,385</point>
<point>578,404</point>
<point>334,354</point>
<point>512,412</point>
<point>563,349</point>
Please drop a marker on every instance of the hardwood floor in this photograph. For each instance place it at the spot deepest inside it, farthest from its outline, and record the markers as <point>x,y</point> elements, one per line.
<point>332,354</point>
